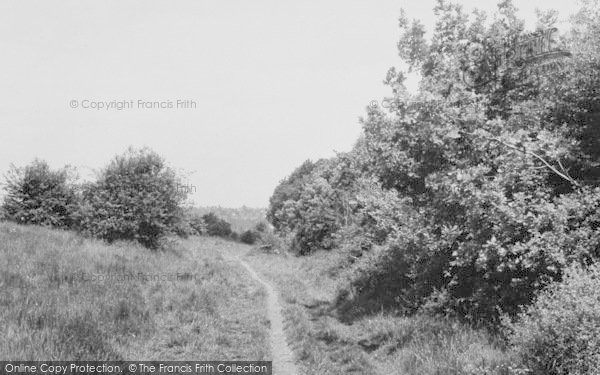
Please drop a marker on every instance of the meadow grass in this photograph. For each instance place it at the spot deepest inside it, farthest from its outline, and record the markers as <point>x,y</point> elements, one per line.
<point>376,344</point>
<point>59,302</point>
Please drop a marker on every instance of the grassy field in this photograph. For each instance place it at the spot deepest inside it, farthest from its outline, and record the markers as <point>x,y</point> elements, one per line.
<point>67,298</point>
<point>375,345</point>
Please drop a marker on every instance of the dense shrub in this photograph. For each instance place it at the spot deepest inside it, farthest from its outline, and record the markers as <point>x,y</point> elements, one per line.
<point>269,241</point>
<point>261,227</point>
<point>136,197</point>
<point>480,243</point>
<point>316,217</point>
<point>37,194</point>
<point>560,333</point>
<point>249,237</point>
<point>377,215</point>
<point>315,202</point>
<point>288,190</point>
<point>197,223</point>
<point>216,226</point>
<point>396,276</point>
<point>184,226</point>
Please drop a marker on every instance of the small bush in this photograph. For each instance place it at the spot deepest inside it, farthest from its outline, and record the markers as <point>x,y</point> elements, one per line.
<point>249,237</point>
<point>38,195</point>
<point>261,227</point>
<point>216,226</point>
<point>135,198</point>
<point>197,224</point>
<point>560,333</point>
<point>274,243</point>
<point>183,228</point>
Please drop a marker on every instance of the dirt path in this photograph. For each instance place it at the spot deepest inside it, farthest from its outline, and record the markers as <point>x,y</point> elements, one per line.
<point>283,359</point>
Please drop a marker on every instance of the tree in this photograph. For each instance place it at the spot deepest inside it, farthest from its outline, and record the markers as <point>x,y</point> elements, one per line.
<point>492,172</point>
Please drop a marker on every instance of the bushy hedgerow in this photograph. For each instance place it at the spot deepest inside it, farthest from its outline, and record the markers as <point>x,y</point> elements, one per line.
<point>317,219</point>
<point>288,190</point>
<point>480,245</point>
<point>314,203</point>
<point>560,333</point>
<point>136,197</point>
<point>36,194</point>
<point>302,206</point>
<point>487,194</point>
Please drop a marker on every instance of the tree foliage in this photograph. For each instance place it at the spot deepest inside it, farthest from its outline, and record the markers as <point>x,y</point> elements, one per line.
<point>463,199</point>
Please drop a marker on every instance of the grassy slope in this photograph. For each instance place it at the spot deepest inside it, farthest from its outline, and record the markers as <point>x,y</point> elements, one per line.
<point>47,312</point>
<point>374,345</point>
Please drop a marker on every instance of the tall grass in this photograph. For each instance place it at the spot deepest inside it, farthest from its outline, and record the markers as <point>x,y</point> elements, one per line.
<point>55,306</point>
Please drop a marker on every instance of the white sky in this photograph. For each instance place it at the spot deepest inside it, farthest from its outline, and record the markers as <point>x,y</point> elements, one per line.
<point>275,82</point>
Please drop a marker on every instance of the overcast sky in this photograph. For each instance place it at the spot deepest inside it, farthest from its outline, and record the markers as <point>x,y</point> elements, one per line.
<point>274,82</point>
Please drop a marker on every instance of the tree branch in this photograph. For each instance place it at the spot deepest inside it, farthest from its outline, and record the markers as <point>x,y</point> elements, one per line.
<point>531,153</point>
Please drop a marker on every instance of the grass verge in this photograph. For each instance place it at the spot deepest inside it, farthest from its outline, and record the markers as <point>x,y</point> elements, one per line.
<point>378,344</point>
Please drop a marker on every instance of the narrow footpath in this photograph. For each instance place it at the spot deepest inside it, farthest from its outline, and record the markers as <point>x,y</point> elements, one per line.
<point>283,359</point>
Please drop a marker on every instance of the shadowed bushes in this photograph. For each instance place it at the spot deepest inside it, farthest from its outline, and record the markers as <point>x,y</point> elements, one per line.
<point>249,237</point>
<point>216,226</point>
